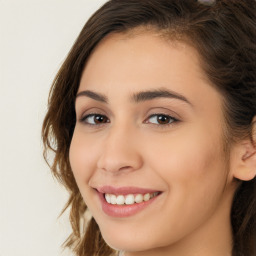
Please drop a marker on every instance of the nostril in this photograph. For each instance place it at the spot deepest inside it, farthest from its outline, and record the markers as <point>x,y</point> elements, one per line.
<point>125,168</point>
<point>118,169</point>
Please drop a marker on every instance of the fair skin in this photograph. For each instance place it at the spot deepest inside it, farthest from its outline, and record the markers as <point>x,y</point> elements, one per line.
<point>169,144</point>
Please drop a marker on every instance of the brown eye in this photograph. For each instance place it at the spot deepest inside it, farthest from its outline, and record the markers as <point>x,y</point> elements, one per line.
<point>99,119</point>
<point>161,119</point>
<point>95,119</point>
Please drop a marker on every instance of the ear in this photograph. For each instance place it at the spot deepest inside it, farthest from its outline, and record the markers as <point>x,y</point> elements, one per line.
<point>243,157</point>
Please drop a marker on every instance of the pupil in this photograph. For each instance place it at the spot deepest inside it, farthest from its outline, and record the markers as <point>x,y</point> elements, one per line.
<point>163,119</point>
<point>99,119</point>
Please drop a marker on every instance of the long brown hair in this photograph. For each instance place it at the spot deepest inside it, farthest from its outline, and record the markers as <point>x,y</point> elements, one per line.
<point>224,33</point>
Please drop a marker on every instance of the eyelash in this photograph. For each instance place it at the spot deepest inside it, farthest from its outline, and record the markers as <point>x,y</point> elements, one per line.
<point>83,119</point>
<point>168,117</point>
<point>157,115</point>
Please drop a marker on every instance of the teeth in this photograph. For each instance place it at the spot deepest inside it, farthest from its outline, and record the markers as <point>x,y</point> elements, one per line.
<point>139,198</point>
<point>120,200</point>
<point>129,199</point>
<point>146,197</point>
<point>113,199</point>
<point>107,196</point>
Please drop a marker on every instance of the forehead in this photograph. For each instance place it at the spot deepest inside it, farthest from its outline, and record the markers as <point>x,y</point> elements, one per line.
<point>137,51</point>
<point>145,59</point>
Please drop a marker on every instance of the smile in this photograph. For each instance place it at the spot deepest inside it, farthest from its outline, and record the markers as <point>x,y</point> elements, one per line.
<point>129,199</point>
<point>125,201</point>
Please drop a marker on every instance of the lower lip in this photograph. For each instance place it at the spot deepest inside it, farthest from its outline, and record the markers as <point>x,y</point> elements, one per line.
<point>122,211</point>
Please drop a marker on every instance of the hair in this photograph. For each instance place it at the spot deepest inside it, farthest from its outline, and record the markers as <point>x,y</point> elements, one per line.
<point>224,34</point>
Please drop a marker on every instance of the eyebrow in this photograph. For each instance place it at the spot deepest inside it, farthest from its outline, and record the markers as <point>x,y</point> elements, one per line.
<point>138,97</point>
<point>93,95</point>
<point>160,93</point>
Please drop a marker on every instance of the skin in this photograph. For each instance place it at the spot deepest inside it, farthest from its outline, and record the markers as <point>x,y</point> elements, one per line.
<point>184,159</point>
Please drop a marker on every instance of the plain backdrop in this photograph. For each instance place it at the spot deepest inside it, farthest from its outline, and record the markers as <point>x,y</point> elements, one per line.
<point>35,37</point>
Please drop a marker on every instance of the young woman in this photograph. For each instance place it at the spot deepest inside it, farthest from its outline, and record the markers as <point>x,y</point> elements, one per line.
<point>152,121</point>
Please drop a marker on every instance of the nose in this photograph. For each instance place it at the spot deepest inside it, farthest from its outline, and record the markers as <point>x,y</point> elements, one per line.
<point>120,151</point>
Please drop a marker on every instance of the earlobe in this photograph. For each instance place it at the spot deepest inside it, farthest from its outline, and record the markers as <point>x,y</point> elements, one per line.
<point>245,173</point>
<point>243,157</point>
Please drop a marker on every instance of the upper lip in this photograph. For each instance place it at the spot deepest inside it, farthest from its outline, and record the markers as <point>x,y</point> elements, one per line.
<point>124,190</point>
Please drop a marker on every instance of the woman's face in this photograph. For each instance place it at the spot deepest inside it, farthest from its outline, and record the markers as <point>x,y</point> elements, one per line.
<point>150,126</point>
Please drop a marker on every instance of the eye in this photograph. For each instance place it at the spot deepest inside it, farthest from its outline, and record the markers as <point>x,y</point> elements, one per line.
<point>161,119</point>
<point>95,119</point>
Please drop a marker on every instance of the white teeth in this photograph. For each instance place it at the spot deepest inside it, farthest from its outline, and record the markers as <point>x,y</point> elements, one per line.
<point>113,199</point>
<point>139,198</point>
<point>120,200</point>
<point>129,199</point>
<point>107,196</point>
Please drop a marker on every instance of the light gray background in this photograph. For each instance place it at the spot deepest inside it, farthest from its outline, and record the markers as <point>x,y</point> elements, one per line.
<point>35,37</point>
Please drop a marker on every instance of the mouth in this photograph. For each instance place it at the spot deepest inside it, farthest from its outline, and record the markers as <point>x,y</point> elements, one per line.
<point>125,201</point>
<point>129,199</point>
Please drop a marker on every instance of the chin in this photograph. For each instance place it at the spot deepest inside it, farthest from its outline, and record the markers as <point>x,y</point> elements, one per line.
<point>127,242</point>
<point>123,241</point>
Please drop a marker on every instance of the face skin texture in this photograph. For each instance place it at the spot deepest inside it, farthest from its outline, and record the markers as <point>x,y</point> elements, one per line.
<point>183,159</point>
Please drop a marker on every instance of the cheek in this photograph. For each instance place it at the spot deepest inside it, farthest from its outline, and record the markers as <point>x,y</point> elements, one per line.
<point>179,149</point>
<point>193,168</point>
<point>82,158</point>
<point>188,154</point>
